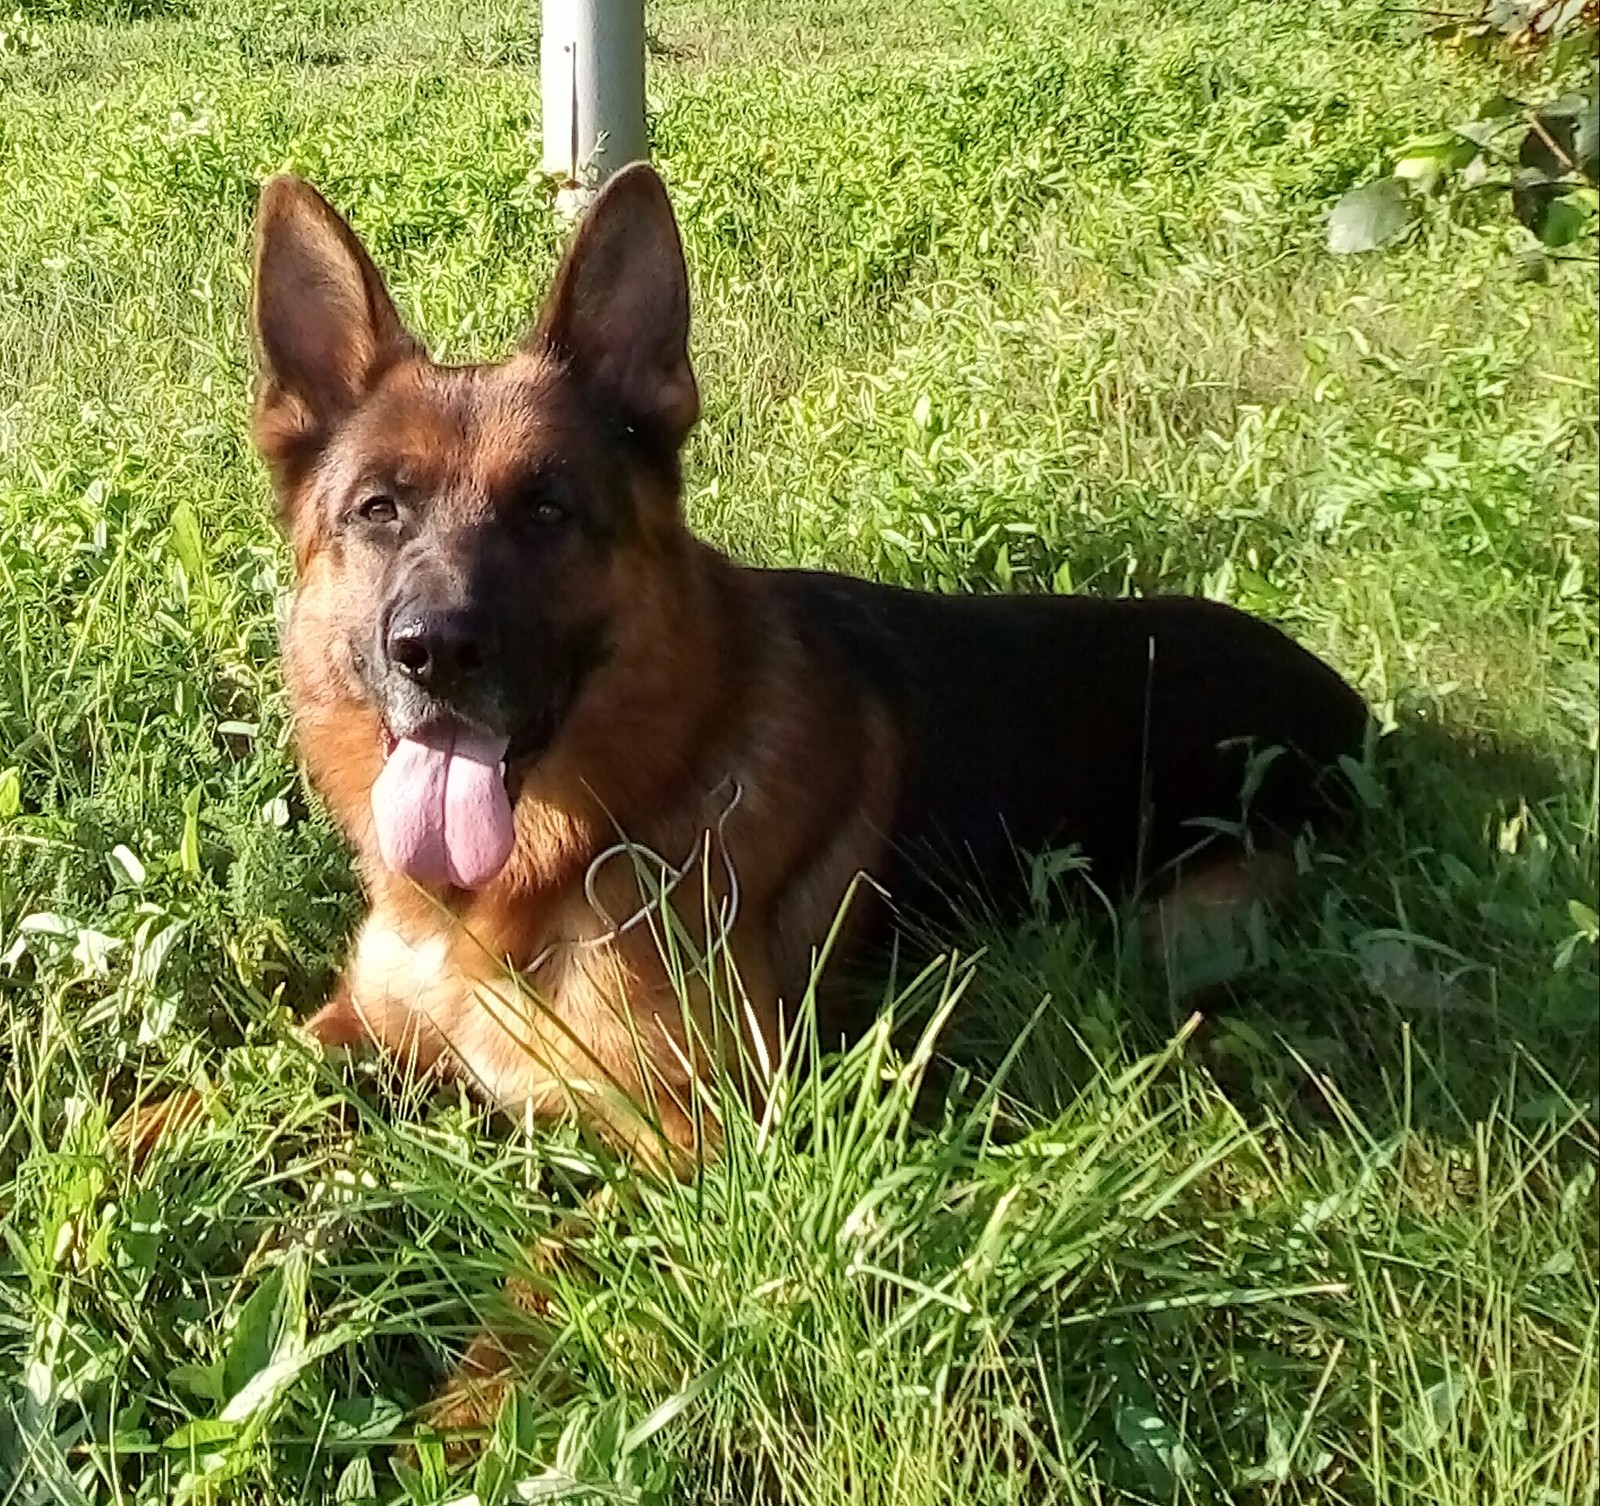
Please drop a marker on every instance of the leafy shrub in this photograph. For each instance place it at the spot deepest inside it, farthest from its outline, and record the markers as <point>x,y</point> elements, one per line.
<point>1544,155</point>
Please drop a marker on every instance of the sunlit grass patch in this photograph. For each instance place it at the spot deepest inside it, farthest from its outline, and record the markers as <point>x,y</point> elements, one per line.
<point>987,297</point>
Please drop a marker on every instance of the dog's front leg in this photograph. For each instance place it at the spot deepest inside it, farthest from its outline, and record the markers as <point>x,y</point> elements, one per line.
<point>337,1026</point>
<point>672,1127</point>
<point>1199,927</point>
<point>405,1036</point>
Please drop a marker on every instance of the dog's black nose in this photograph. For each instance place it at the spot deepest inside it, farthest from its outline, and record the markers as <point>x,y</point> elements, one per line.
<point>438,650</point>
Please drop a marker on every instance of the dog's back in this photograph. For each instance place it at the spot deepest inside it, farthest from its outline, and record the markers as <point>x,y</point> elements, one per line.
<point>1136,730</point>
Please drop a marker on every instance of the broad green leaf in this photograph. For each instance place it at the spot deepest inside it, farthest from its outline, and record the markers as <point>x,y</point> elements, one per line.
<point>1424,162</point>
<point>1427,1427</point>
<point>262,1392</point>
<point>425,1480</point>
<point>1563,222</point>
<point>93,951</point>
<point>514,1430</point>
<point>269,1344</point>
<point>128,861</point>
<point>204,1435</point>
<point>1422,173</point>
<point>1155,1445</point>
<point>204,1381</point>
<point>255,1337</point>
<point>364,1419</point>
<point>151,947</point>
<point>1480,133</point>
<point>1498,107</point>
<point>187,542</point>
<point>1369,217</point>
<point>1447,151</point>
<point>491,1480</point>
<point>356,1485</point>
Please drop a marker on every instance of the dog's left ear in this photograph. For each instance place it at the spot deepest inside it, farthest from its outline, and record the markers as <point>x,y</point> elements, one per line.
<point>618,314</point>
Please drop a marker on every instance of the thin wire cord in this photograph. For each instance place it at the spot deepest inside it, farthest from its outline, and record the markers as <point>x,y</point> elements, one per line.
<point>671,876</point>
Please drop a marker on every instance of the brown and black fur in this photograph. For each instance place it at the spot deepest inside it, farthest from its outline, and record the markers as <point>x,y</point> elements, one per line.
<point>536,505</point>
<point>641,675</point>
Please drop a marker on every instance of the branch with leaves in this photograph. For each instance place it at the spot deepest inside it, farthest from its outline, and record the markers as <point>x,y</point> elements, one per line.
<point>1544,156</point>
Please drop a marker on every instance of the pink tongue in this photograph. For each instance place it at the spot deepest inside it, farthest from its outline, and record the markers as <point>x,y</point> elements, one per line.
<point>442,812</point>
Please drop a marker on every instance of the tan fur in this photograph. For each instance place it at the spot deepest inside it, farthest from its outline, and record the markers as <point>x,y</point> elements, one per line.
<point>711,738</point>
<point>516,988</point>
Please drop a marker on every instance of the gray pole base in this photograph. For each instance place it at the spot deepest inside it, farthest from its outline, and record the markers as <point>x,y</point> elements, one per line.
<point>591,70</point>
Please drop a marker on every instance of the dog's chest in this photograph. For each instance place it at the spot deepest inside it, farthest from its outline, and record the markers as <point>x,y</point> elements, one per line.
<point>439,989</point>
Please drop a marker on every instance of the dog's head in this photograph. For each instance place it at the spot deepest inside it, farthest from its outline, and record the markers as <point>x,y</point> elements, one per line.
<point>466,538</point>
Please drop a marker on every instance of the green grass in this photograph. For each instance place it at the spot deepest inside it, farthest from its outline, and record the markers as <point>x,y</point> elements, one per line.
<point>988,295</point>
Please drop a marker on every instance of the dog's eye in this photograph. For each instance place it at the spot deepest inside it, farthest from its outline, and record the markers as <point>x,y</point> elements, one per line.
<point>378,509</point>
<point>542,502</point>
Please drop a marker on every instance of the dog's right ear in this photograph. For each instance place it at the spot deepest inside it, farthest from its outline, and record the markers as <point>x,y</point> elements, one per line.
<point>324,324</point>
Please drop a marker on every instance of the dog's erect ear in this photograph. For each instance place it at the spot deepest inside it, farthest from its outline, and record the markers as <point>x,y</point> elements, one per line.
<point>324,326</point>
<point>618,314</point>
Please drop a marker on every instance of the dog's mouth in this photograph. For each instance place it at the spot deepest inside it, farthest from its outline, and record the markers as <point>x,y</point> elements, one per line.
<point>441,805</point>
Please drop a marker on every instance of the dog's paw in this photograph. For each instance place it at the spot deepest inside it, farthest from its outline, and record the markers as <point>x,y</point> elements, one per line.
<point>336,1028</point>
<point>1208,930</point>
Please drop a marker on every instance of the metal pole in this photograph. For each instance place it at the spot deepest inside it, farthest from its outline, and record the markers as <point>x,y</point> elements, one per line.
<point>591,71</point>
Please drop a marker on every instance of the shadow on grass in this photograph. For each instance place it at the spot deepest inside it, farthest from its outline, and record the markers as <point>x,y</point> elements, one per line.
<point>1442,964</point>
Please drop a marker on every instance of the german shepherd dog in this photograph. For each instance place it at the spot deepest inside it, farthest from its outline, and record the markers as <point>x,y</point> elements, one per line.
<point>513,670</point>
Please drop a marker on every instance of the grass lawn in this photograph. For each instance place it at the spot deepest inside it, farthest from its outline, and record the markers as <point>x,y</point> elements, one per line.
<point>991,294</point>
